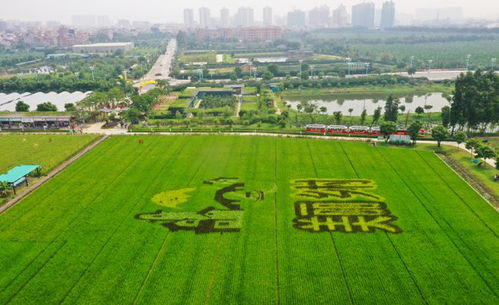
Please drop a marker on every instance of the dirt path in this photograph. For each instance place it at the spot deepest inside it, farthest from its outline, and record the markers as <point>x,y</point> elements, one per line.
<point>50,175</point>
<point>238,106</point>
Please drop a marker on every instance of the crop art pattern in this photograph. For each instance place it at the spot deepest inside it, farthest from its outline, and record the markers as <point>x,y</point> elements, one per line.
<point>224,214</point>
<point>348,206</point>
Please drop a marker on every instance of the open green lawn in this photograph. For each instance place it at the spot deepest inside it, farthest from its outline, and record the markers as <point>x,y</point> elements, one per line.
<point>46,150</point>
<point>84,238</point>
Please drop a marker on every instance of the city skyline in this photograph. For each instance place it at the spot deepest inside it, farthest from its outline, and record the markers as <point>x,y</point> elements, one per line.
<point>157,11</point>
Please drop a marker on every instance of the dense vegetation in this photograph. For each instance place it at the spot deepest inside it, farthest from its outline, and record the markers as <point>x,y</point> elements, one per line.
<point>446,47</point>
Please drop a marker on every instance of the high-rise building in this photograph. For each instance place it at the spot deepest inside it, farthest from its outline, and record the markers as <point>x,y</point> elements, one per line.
<point>224,17</point>
<point>318,17</point>
<point>340,17</point>
<point>296,19</point>
<point>124,24</point>
<point>103,21</point>
<point>388,15</point>
<point>84,21</point>
<point>363,15</point>
<point>267,16</point>
<point>204,17</point>
<point>244,17</point>
<point>189,18</point>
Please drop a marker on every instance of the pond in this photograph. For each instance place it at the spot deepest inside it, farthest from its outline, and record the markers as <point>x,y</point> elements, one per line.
<point>359,102</point>
<point>8,101</point>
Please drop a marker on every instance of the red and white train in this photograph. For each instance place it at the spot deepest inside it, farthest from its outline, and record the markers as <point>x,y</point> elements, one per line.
<point>356,130</point>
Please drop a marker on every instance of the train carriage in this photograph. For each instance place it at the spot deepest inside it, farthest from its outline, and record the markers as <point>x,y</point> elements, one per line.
<point>337,129</point>
<point>360,130</point>
<point>315,128</point>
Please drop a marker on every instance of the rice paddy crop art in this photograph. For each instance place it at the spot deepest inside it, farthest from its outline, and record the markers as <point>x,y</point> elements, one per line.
<point>222,214</point>
<point>250,220</point>
<point>341,205</point>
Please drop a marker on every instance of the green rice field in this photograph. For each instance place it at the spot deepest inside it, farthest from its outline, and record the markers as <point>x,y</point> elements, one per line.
<point>250,220</point>
<point>46,150</point>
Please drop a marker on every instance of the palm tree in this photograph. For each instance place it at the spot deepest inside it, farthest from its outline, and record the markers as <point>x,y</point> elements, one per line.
<point>350,111</point>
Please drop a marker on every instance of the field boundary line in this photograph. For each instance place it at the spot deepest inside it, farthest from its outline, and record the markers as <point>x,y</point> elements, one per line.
<point>466,181</point>
<point>51,175</point>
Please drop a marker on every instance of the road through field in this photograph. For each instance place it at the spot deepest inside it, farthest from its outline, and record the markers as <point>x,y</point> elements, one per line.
<point>250,220</point>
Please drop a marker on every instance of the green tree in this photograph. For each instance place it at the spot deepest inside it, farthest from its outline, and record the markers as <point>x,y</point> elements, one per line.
<point>472,145</point>
<point>267,76</point>
<point>350,110</point>
<point>46,107</point>
<point>132,115</point>
<point>485,152</point>
<point>460,137</point>
<point>439,133</point>
<point>391,109</point>
<point>387,128</point>
<point>238,71</point>
<point>376,116</point>
<point>445,115</point>
<point>419,110</point>
<point>475,100</point>
<point>22,107</point>
<point>5,189</point>
<point>413,131</point>
<point>363,117</point>
<point>337,116</point>
<point>411,71</point>
<point>274,69</point>
<point>69,107</point>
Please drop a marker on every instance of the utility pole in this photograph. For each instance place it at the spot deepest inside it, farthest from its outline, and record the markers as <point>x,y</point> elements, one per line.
<point>349,65</point>
<point>429,65</point>
<point>301,62</point>
<point>493,64</point>
<point>367,68</point>
<point>412,61</point>
<point>468,60</point>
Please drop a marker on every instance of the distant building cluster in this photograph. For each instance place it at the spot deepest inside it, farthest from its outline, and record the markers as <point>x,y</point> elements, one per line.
<point>362,15</point>
<point>52,34</point>
<point>249,34</point>
<point>62,37</point>
<point>103,47</point>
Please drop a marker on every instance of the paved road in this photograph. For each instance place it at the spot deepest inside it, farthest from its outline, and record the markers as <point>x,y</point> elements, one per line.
<point>161,70</point>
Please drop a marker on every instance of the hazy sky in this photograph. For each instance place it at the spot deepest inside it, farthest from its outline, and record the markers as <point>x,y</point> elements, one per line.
<point>171,10</point>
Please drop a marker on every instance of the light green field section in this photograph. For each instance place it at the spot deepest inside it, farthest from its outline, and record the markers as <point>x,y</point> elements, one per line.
<point>46,150</point>
<point>119,227</point>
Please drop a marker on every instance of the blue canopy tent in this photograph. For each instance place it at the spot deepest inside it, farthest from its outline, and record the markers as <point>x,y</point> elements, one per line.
<point>18,175</point>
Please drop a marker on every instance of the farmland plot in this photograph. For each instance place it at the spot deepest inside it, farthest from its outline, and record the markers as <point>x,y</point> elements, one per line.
<point>46,150</point>
<point>240,220</point>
